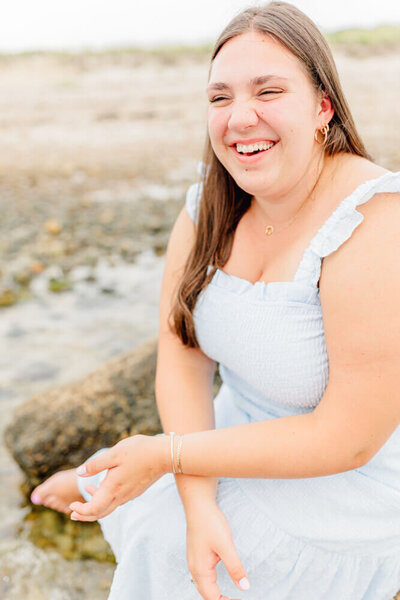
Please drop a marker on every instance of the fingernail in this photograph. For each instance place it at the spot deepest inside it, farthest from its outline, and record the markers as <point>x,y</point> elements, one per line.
<point>81,470</point>
<point>244,583</point>
<point>36,499</point>
<point>74,518</point>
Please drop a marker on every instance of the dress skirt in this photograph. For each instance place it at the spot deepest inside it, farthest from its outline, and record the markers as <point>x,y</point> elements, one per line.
<point>298,539</point>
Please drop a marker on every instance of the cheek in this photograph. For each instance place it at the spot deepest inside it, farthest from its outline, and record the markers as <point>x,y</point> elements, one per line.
<point>280,118</point>
<point>289,121</point>
<point>217,121</point>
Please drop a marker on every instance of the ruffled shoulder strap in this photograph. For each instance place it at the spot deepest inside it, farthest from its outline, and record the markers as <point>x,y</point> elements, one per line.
<point>192,203</point>
<point>340,225</point>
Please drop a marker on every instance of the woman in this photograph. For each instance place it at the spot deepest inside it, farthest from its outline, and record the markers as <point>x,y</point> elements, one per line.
<point>284,269</point>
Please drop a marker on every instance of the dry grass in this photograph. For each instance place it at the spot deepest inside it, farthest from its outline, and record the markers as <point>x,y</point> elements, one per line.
<point>367,42</point>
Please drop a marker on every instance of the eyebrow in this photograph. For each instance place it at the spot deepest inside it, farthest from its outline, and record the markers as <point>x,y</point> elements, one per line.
<point>260,80</point>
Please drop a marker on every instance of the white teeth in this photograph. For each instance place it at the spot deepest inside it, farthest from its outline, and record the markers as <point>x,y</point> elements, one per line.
<point>243,149</point>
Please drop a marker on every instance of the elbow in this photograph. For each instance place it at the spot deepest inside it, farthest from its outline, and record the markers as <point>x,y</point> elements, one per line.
<point>359,460</point>
<point>362,457</point>
<point>343,463</point>
<point>346,460</point>
<point>343,452</point>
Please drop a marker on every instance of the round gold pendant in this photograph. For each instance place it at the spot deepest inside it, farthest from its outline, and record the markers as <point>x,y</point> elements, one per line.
<point>269,229</point>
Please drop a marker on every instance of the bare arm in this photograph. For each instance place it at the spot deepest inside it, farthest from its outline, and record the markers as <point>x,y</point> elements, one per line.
<point>184,377</point>
<point>360,409</point>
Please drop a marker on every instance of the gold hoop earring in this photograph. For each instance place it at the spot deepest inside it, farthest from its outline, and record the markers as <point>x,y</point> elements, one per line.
<point>324,131</point>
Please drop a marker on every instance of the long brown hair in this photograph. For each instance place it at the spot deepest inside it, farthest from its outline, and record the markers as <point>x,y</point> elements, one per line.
<point>223,202</point>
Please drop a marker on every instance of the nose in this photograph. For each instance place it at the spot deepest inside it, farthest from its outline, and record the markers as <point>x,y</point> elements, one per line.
<point>242,117</point>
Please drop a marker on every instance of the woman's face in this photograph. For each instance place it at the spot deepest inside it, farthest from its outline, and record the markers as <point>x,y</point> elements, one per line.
<point>260,95</point>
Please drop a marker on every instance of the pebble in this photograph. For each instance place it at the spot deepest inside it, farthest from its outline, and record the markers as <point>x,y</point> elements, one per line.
<point>52,226</point>
<point>8,297</point>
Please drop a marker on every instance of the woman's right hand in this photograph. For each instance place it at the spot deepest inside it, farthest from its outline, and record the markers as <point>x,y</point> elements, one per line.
<point>208,541</point>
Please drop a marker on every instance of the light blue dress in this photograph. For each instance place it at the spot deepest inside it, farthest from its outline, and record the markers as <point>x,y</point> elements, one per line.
<point>335,537</point>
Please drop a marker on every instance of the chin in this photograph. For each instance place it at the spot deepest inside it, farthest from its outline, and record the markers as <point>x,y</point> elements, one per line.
<point>250,186</point>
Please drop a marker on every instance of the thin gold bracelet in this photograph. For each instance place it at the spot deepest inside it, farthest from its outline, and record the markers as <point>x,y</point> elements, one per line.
<point>171,437</point>
<point>179,465</point>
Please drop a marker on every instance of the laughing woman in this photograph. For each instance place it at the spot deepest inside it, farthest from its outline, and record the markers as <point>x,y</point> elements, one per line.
<point>283,268</point>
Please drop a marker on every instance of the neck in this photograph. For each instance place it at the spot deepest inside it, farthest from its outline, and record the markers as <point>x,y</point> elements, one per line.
<point>283,207</point>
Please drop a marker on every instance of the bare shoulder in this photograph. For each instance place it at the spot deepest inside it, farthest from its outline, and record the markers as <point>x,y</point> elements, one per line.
<point>181,241</point>
<point>380,212</point>
<point>381,216</point>
<point>351,171</point>
<point>360,283</point>
<point>374,243</point>
<point>179,247</point>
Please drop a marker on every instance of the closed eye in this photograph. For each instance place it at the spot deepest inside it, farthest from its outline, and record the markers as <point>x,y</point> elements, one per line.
<point>218,98</point>
<point>267,92</point>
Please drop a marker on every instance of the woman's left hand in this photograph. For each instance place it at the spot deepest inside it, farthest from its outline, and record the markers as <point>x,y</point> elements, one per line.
<point>133,464</point>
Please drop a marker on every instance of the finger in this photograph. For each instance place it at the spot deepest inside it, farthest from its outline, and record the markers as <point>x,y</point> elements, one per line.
<point>75,516</point>
<point>101,499</point>
<point>206,584</point>
<point>91,489</point>
<point>108,491</point>
<point>93,516</point>
<point>234,566</point>
<point>103,461</point>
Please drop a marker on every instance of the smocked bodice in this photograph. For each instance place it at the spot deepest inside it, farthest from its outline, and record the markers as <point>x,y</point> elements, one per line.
<point>269,337</point>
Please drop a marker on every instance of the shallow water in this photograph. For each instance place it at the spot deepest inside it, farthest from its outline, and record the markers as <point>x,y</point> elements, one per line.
<point>55,339</point>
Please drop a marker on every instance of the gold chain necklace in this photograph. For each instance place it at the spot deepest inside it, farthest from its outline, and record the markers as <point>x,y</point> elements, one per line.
<point>270,229</point>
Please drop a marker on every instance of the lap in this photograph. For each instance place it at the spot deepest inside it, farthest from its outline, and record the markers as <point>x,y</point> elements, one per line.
<point>148,536</point>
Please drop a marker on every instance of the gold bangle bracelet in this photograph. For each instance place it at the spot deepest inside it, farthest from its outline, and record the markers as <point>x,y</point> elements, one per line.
<point>171,437</point>
<point>179,451</point>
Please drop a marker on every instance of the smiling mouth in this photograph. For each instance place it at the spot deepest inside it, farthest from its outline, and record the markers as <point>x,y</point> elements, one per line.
<point>253,149</point>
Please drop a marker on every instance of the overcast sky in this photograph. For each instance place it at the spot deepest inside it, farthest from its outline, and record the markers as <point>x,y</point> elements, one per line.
<point>42,24</point>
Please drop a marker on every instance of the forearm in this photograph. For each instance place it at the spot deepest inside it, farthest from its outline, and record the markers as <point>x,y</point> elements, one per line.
<point>184,394</point>
<point>191,488</point>
<point>195,490</point>
<point>289,447</point>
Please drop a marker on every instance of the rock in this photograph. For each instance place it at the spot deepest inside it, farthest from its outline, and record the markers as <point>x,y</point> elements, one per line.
<point>37,267</point>
<point>8,292</point>
<point>48,529</point>
<point>52,226</point>
<point>30,573</point>
<point>63,426</point>
<point>57,280</point>
<point>20,270</point>
<point>8,297</point>
<point>59,285</point>
<point>50,248</point>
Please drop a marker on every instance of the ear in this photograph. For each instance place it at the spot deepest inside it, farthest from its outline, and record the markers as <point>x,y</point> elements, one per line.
<point>325,110</point>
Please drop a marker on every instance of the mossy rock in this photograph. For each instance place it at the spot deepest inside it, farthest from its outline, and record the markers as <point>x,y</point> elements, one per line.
<point>48,529</point>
